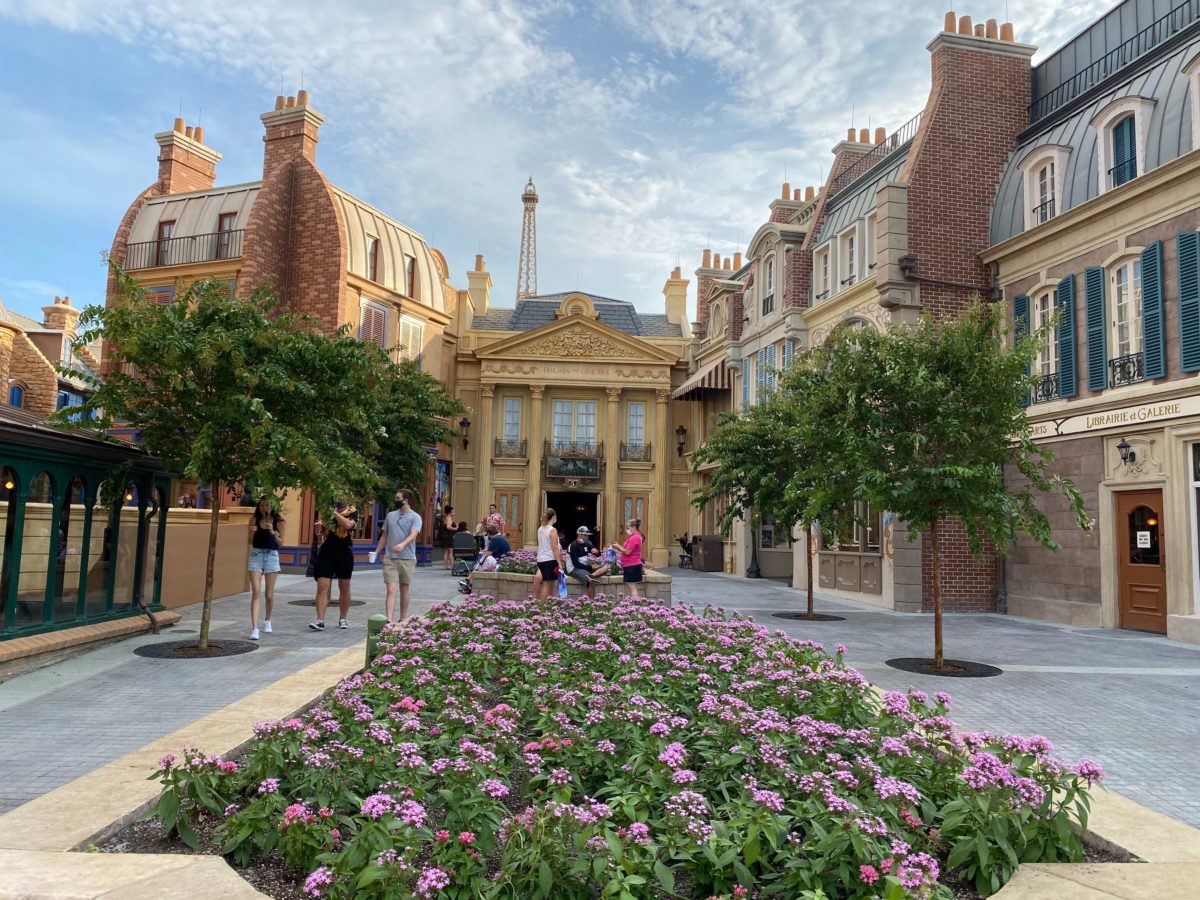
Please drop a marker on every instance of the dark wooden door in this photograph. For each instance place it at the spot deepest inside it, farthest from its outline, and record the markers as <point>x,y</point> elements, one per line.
<point>1141,561</point>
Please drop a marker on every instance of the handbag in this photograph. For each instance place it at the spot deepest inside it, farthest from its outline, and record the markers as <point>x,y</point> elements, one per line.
<point>311,570</point>
<point>562,586</point>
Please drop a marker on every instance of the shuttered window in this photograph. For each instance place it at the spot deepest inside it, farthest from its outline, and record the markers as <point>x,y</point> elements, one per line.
<point>412,343</point>
<point>789,352</point>
<point>771,368</point>
<point>745,381</point>
<point>1154,350</point>
<point>163,294</point>
<point>1124,152</point>
<point>760,381</point>
<point>1188,263</point>
<point>1096,328</point>
<point>1068,369</point>
<point>1021,327</point>
<point>372,324</point>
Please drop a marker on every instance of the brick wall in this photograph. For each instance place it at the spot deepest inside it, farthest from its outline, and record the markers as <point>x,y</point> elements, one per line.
<point>968,582</point>
<point>181,170</point>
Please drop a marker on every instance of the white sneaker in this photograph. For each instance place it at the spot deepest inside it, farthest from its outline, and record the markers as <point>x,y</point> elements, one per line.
<point>267,626</point>
<point>254,634</point>
<point>343,623</point>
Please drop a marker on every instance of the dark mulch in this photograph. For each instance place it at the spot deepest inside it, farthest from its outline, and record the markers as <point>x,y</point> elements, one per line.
<point>189,650</point>
<point>805,617</point>
<point>952,668</point>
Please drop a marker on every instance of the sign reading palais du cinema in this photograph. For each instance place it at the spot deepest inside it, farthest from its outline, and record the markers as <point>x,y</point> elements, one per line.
<point>1128,416</point>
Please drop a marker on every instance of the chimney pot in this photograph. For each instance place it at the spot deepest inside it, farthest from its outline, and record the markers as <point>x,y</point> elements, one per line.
<point>479,266</point>
<point>951,24</point>
<point>979,31</point>
<point>787,191</point>
<point>880,134</point>
<point>676,273</point>
<point>179,125</point>
<point>850,135</point>
<point>1006,32</point>
<point>864,135</point>
<point>796,194</point>
<point>189,131</point>
<point>737,260</point>
<point>67,301</point>
<point>725,264</point>
<point>302,98</point>
<point>280,102</point>
<point>198,134</point>
<point>291,102</point>
<point>706,260</point>
<point>809,193</point>
<point>716,260</point>
<point>992,30</point>
<point>964,25</point>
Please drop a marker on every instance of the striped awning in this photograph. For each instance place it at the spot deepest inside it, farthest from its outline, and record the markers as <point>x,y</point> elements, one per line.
<point>712,377</point>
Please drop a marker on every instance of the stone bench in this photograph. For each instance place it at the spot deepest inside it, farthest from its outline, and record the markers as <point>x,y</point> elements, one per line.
<point>512,586</point>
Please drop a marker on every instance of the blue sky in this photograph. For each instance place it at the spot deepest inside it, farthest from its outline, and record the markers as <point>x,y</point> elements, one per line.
<point>651,128</point>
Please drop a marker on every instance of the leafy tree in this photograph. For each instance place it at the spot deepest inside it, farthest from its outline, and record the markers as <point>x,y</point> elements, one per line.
<point>927,418</point>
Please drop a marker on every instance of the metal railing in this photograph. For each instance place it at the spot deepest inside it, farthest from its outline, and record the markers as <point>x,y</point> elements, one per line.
<point>506,449</point>
<point>1045,388</point>
<point>897,139</point>
<point>1122,172</point>
<point>1131,50</point>
<point>1044,212</point>
<point>1125,370</point>
<point>635,452</point>
<point>574,449</point>
<point>183,250</point>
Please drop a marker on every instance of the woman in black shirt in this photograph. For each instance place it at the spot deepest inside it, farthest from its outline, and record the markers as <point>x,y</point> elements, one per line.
<point>335,559</point>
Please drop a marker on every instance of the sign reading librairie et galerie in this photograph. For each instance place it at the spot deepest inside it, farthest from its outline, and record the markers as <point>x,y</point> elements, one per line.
<point>1127,416</point>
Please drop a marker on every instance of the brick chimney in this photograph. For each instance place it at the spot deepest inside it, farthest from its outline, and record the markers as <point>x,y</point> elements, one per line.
<point>60,315</point>
<point>291,132</point>
<point>479,286</point>
<point>675,298</point>
<point>184,162</point>
<point>704,278</point>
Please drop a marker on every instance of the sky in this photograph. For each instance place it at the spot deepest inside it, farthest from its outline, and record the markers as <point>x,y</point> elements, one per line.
<point>652,129</point>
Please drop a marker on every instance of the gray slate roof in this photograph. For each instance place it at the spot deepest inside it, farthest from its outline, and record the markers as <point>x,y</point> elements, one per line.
<point>847,207</point>
<point>534,312</point>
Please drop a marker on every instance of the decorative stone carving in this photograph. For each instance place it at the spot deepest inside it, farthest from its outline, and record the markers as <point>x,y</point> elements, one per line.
<point>614,394</point>
<point>486,389</point>
<point>663,394</point>
<point>536,391</point>
<point>577,342</point>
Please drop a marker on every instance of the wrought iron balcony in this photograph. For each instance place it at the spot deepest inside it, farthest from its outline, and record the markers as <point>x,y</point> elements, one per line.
<point>1125,370</point>
<point>894,141</point>
<point>574,449</point>
<point>181,251</point>
<point>1123,172</point>
<point>1045,388</point>
<point>636,452</point>
<point>506,449</point>
<point>1044,212</point>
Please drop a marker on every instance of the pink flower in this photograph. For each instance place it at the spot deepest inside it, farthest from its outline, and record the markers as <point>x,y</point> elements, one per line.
<point>494,788</point>
<point>1088,770</point>
<point>466,837</point>
<point>168,760</point>
<point>269,786</point>
<point>868,874</point>
<point>316,883</point>
<point>442,836</point>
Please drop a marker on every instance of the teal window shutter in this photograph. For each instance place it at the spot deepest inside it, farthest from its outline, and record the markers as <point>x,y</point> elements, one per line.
<point>1188,263</point>
<point>1154,351</point>
<point>1124,152</point>
<point>1021,329</point>
<point>1096,328</point>
<point>771,367</point>
<point>761,377</point>
<point>1068,371</point>
<point>745,381</point>
<point>789,352</point>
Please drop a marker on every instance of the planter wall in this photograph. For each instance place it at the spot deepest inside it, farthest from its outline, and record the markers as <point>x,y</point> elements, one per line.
<point>510,586</point>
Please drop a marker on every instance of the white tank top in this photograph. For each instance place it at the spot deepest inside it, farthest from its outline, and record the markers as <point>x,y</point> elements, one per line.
<point>545,551</point>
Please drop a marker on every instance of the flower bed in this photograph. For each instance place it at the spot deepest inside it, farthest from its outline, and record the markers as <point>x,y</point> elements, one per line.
<point>524,562</point>
<point>581,749</point>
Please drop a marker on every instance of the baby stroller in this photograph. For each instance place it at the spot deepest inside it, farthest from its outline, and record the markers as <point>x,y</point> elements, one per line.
<point>466,551</point>
<point>685,555</point>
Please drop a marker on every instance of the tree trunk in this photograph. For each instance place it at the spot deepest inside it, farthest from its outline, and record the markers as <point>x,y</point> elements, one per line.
<point>213,524</point>
<point>938,661</point>
<point>808,548</point>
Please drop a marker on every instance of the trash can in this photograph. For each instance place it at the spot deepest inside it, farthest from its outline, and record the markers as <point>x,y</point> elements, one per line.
<point>708,553</point>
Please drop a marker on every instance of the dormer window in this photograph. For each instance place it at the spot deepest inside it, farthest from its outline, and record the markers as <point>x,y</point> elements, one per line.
<point>1124,153</point>
<point>1044,211</point>
<point>372,258</point>
<point>67,355</point>
<point>768,286</point>
<point>1122,130</point>
<point>821,275</point>
<point>848,255</point>
<point>1044,168</point>
<point>412,278</point>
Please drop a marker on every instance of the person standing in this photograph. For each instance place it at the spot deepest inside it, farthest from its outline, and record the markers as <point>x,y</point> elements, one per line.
<point>335,559</point>
<point>493,517</point>
<point>630,556</point>
<point>266,534</point>
<point>549,555</point>
<point>445,536</point>
<point>586,564</point>
<point>399,536</point>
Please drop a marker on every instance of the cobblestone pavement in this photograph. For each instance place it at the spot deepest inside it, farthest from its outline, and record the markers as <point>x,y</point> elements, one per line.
<point>1125,699</point>
<point>62,721</point>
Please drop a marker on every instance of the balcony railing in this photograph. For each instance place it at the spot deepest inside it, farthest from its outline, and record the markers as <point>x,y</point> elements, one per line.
<point>1044,212</point>
<point>879,152</point>
<point>1045,388</point>
<point>1141,43</point>
<point>635,452</point>
<point>1125,370</point>
<point>181,251</point>
<point>506,449</point>
<point>574,449</point>
<point>1123,172</point>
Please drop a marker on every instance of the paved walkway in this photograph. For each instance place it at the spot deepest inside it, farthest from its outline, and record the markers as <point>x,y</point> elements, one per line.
<point>1125,699</point>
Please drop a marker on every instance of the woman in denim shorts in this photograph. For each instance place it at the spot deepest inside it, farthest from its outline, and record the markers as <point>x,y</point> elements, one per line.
<point>266,534</point>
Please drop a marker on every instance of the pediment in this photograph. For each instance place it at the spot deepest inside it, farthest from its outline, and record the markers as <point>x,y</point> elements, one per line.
<point>576,337</point>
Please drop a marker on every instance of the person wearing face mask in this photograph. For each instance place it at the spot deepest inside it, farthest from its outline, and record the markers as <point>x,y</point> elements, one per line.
<point>399,535</point>
<point>630,554</point>
<point>549,556</point>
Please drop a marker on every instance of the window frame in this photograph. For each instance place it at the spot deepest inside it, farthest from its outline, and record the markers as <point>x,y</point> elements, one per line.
<point>848,249</point>
<point>372,256</point>
<point>1106,120</point>
<point>21,391</point>
<point>1138,344</point>
<point>767,289</point>
<point>410,324</point>
<point>1047,354</point>
<point>716,319</point>
<point>410,275</point>
<point>573,407</point>
<point>225,235</point>
<point>1036,161</point>
<point>508,435</point>
<point>630,407</point>
<point>165,231</point>
<point>822,269</point>
<point>367,305</point>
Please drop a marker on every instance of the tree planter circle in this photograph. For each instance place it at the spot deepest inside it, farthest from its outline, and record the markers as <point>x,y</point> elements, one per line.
<point>188,649</point>
<point>805,617</point>
<point>953,668</point>
<point>332,602</point>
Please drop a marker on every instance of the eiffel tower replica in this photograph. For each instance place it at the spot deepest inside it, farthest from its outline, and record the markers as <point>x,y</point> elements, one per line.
<point>527,269</point>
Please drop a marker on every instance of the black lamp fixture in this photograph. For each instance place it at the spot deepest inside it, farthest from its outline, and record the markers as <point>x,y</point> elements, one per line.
<point>680,435</point>
<point>465,425</point>
<point>1128,454</point>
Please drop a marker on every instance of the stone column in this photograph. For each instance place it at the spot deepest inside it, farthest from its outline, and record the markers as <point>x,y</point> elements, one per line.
<point>533,499</point>
<point>660,498</point>
<point>612,458</point>
<point>485,440</point>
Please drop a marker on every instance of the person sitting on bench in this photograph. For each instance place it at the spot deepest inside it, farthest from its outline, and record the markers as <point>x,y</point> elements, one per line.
<point>587,564</point>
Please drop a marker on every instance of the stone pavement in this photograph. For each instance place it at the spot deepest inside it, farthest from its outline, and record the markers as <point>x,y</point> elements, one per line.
<point>63,721</point>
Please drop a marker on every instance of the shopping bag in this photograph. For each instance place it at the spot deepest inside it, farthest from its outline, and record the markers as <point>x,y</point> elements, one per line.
<point>562,585</point>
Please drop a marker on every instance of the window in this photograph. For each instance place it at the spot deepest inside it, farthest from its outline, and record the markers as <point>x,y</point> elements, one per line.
<point>1124,152</point>
<point>411,272</point>
<point>225,247</point>
<point>512,418</point>
<point>162,255</point>
<point>821,274</point>
<point>716,320</point>
<point>1047,358</point>
<point>64,400</point>
<point>635,424</point>
<point>412,339</point>
<point>869,243</point>
<point>1126,282</point>
<point>372,323</point>
<point>1122,134</point>
<point>162,294</point>
<point>768,286</point>
<point>1044,211</point>
<point>574,422</point>
<point>68,355</point>
<point>849,259</point>
<point>16,396</point>
<point>372,258</point>
<point>1042,172</point>
<point>862,535</point>
<point>766,533</point>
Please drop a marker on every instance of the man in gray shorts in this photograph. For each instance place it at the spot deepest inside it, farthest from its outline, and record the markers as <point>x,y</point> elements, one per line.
<point>399,534</point>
